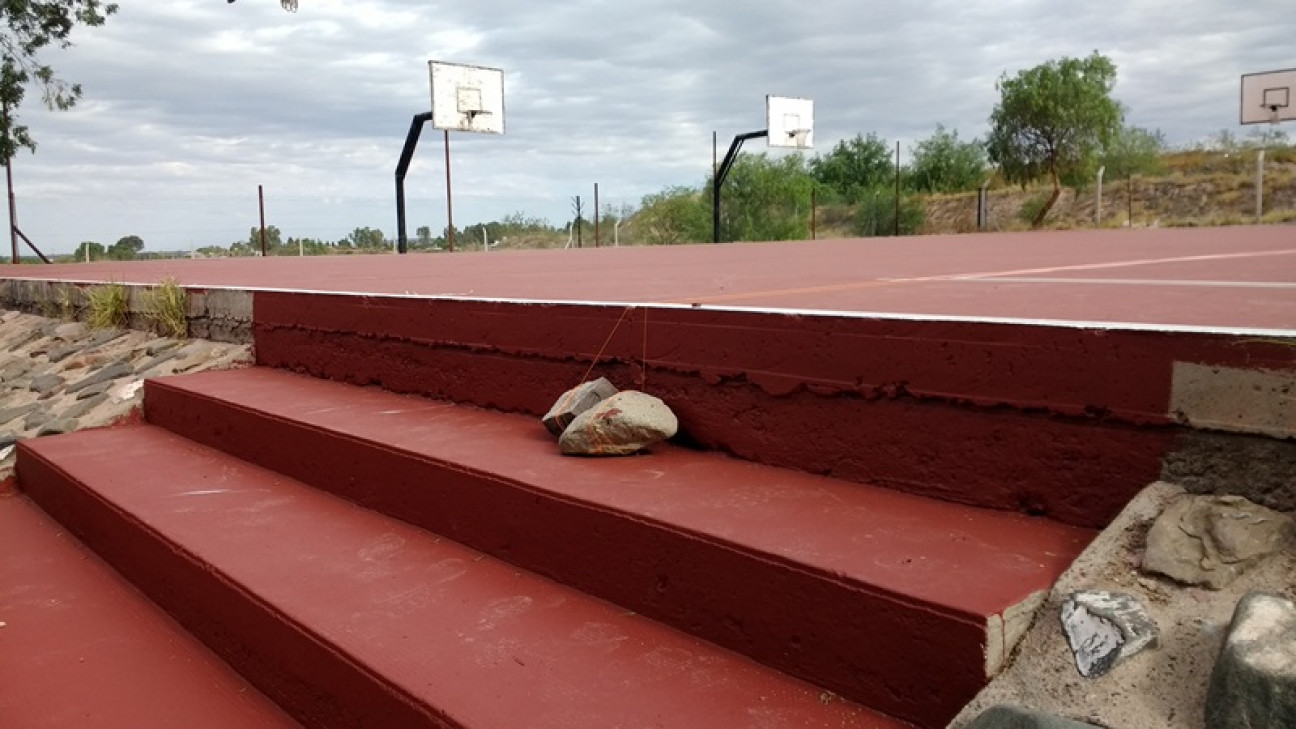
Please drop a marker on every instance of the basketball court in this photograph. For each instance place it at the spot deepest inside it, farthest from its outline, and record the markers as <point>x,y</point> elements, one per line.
<point>1241,278</point>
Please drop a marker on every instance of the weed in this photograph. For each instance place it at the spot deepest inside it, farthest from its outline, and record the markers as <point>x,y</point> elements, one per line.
<point>109,305</point>
<point>166,307</point>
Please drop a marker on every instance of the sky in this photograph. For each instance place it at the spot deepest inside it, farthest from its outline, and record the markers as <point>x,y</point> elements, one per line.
<point>190,105</point>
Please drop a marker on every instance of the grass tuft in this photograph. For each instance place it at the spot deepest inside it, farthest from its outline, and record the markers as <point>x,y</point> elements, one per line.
<point>109,305</point>
<point>166,307</point>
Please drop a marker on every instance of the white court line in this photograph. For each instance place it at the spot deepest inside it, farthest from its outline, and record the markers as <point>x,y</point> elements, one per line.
<point>1136,282</point>
<point>1113,264</point>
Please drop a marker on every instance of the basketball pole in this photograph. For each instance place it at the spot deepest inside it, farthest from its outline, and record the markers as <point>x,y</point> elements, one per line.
<point>449,204</point>
<point>13,208</point>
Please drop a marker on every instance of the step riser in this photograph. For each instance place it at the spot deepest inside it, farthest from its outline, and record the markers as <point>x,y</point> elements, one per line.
<point>299,673</point>
<point>1061,421</point>
<point>809,625</point>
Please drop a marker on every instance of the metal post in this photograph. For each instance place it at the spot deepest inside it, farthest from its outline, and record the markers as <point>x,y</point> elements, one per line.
<point>449,205</point>
<point>1129,192</point>
<point>1260,186</point>
<point>13,208</point>
<point>983,205</point>
<point>596,216</point>
<point>485,240</point>
<point>897,195</point>
<point>402,166</point>
<point>717,179</point>
<point>813,214</point>
<point>261,205</point>
<point>1098,198</point>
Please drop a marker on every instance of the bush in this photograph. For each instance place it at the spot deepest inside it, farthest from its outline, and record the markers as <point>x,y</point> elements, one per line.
<point>876,213</point>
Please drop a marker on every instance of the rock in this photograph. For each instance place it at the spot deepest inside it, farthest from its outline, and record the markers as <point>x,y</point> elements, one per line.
<point>158,359</point>
<point>37,418</point>
<point>576,401</point>
<point>62,352</point>
<point>1105,628</point>
<point>15,369</point>
<point>1210,540</point>
<point>45,384</point>
<point>102,336</point>
<point>111,372</point>
<point>1254,680</point>
<point>70,331</point>
<point>625,423</point>
<point>1012,717</point>
<point>83,406</point>
<point>8,439</point>
<point>158,346</point>
<point>97,388</point>
<point>18,411</point>
<point>57,427</point>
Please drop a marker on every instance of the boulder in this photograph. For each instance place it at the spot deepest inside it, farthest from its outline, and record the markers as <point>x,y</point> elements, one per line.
<point>1105,628</point>
<point>1012,717</point>
<point>625,423</point>
<point>1210,540</point>
<point>576,401</point>
<point>111,372</point>
<point>45,384</point>
<point>1253,683</point>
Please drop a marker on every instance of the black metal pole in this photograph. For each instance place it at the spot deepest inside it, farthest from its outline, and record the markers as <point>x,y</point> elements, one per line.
<point>449,203</point>
<point>897,195</point>
<point>261,207</point>
<point>402,166</point>
<point>723,172</point>
<point>596,216</point>
<point>13,208</point>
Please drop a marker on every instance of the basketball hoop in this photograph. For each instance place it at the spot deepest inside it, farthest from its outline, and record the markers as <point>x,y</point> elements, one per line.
<point>1274,118</point>
<point>289,5</point>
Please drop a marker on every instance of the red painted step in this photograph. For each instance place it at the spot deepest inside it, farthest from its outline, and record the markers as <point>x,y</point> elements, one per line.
<point>893,600</point>
<point>80,647</point>
<point>350,618</point>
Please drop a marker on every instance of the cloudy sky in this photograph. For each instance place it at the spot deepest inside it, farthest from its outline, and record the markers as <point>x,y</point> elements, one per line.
<point>190,104</point>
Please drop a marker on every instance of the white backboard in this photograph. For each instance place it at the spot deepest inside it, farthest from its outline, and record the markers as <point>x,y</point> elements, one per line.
<point>1269,97</point>
<point>467,98</point>
<point>790,122</point>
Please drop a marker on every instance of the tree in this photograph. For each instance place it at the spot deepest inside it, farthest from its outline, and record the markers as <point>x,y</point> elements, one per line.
<point>942,163</point>
<point>766,198</point>
<point>674,215</point>
<point>854,164</point>
<point>367,238</point>
<point>1052,120</point>
<point>96,251</point>
<point>34,25</point>
<point>1134,151</point>
<point>423,236</point>
<point>126,248</point>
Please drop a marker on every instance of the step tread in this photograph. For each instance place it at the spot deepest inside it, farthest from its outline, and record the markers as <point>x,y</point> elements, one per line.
<point>81,647</point>
<point>890,541</point>
<point>476,640</point>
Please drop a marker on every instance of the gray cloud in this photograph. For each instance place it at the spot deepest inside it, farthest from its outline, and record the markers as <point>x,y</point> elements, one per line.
<point>190,104</point>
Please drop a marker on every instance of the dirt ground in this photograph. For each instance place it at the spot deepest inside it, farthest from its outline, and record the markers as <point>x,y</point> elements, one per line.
<point>1161,688</point>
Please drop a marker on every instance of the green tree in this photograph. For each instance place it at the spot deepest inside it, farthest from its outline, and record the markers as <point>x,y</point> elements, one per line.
<point>942,163</point>
<point>367,238</point>
<point>1052,120</point>
<point>96,251</point>
<point>875,212</point>
<point>854,164</point>
<point>766,198</point>
<point>126,248</point>
<point>273,240</point>
<point>33,26</point>
<point>423,236</point>
<point>1134,151</point>
<point>675,215</point>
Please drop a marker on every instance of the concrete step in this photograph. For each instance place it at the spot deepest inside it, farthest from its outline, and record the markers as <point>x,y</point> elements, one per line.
<point>350,618</point>
<point>81,647</point>
<point>902,603</point>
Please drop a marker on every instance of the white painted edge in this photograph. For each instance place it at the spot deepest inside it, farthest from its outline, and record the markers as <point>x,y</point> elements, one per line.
<point>835,313</point>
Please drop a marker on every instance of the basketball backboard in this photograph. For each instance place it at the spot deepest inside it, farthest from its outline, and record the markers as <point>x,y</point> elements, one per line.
<point>790,122</point>
<point>1270,97</point>
<point>467,98</point>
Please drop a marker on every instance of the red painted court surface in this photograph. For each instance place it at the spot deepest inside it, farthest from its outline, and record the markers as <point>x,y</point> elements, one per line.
<point>1233,278</point>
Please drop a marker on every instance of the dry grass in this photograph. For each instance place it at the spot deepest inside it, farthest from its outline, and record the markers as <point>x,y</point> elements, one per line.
<point>166,308</point>
<point>109,305</point>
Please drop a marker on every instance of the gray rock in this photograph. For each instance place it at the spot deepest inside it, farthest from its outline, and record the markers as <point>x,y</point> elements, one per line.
<point>57,427</point>
<point>8,439</point>
<point>102,336</point>
<point>45,384</point>
<point>1013,717</point>
<point>62,351</point>
<point>16,412</point>
<point>111,372</point>
<point>1105,628</point>
<point>97,388</point>
<point>37,418</point>
<point>1253,683</point>
<point>158,346</point>
<point>576,401</point>
<point>83,406</point>
<point>1210,540</point>
<point>625,423</point>
<point>158,359</point>
<point>15,369</point>
<point>70,331</point>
